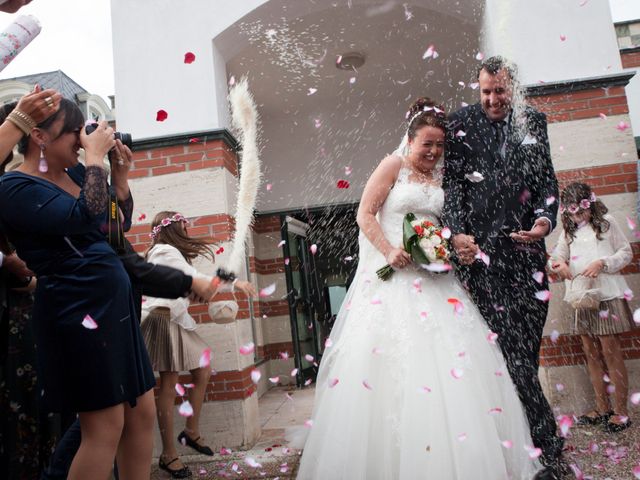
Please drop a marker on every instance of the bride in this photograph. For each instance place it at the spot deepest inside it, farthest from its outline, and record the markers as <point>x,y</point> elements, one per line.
<point>412,385</point>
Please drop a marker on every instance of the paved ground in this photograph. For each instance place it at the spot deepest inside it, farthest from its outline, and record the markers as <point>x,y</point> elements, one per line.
<point>594,453</point>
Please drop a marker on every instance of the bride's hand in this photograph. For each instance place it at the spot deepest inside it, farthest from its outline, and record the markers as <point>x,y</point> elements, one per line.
<point>398,258</point>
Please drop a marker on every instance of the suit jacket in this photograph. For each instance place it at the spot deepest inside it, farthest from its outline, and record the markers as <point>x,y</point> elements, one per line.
<point>514,191</point>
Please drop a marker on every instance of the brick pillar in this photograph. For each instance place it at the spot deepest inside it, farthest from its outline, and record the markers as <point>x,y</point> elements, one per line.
<point>588,144</point>
<point>274,342</point>
<point>197,176</point>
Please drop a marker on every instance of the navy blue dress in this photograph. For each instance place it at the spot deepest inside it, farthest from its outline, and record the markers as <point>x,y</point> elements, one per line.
<point>61,238</point>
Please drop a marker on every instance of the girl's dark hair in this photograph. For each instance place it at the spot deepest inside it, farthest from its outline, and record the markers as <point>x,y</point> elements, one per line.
<point>425,112</point>
<point>174,235</point>
<point>574,193</point>
<point>72,115</point>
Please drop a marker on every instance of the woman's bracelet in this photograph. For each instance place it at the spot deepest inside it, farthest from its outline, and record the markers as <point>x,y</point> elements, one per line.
<point>21,120</point>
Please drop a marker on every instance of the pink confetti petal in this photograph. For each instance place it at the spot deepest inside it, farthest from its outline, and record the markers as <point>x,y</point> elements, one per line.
<point>446,233</point>
<point>474,85</point>
<point>294,372</point>
<point>507,444</point>
<point>179,389</point>
<point>533,452</point>
<point>457,373</point>
<point>252,462</point>
<point>417,285</point>
<point>267,291</point>
<point>495,411</point>
<point>255,376</point>
<point>282,242</point>
<point>565,422</point>
<point>161,115</point>
<point>308,382</point>
<point>308,423</point>
<point>492,337</point>
<point>628,295</point>
<point>89,323</point>
<point>543,295</point>
<point>366,385</point>
<point>268,186</point>
<point>460,134</point>
<point>308,358</point>
<point>189,57</point>
<point>602,116</point>
<point>555,334</point>
<point>563,38</point>
<point>479,56</point>
<point>333,382</point>
<point>631,223</point>
<point>458,306</point>
<point>636,471</point>
<point>347,170</point>
<point>311,91</point>
<point>538,277</point>
<point>284,355</point>
<point>622,126</point>
<point>423,315</point>
<point>247,349</point>
<point>376,350</point>
<point>225,451</point>
<point>462,437</point>
<point>141,217</point>
<point>375,300</point>
<point>484,257</point>
<point>186,410</point>
<point>287,261</point>
<point>635,398</point>
<point>438,267</point>
<point>274,380</point>
<point>205,358</point>
<point>430,53</point>
<point>577,472</point>
<point>559,387</point>
<point>313,249</point>
<point>424,389</point>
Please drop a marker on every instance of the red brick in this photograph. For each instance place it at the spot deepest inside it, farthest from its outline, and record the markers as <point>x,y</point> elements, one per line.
<point>168,169</point>
<point>610,189</point>
<point>586,113</point>
<point>185,157</point>
<point>607,101</point>
<point>618,109</point>
<point>167,151</point>
<point>138,173</point>
<point>156,162</point>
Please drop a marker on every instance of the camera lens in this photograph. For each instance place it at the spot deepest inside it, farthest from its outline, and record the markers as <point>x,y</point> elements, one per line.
<point>125,138</point>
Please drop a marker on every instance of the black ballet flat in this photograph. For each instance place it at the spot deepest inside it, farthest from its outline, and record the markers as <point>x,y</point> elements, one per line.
<point>183,472</point>
<point>184,439</point>
<point>596,419</point>
<point>613,427</point>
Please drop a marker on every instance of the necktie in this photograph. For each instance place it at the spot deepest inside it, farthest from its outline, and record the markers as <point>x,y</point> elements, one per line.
<point>499,133</point>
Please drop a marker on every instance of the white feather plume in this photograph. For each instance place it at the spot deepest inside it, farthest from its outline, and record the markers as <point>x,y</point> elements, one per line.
<point>244,117</point>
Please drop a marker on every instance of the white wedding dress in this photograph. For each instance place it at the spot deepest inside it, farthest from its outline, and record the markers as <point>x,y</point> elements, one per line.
<point>409,389</point>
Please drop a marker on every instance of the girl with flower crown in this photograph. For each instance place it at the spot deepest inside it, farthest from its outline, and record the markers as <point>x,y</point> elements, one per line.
<point>171,338</point>
<point>594,246</point>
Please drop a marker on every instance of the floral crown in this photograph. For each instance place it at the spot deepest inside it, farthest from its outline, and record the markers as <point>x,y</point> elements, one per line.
<point>583,204</point>
<point>178,217</point>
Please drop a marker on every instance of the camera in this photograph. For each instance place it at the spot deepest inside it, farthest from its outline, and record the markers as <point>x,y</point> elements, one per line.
<point>125,138</point>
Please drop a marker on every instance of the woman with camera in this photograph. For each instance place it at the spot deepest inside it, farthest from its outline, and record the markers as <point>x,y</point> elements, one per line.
<point>91,357</point>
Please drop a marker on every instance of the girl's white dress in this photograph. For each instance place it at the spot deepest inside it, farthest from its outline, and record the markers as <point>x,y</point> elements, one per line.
<point>409,389</point>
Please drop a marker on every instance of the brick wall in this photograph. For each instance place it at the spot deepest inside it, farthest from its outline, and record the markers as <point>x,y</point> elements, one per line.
<point>630,59</point>
<point>591,103</point>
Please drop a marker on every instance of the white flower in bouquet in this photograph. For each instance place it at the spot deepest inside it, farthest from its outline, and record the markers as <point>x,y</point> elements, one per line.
<point>435,240</point>
<point>431,255</point>
<point>426,244</point>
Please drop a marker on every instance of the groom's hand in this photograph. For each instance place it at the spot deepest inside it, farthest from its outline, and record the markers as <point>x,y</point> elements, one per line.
<point>465,247</point>
<point>540,230</point>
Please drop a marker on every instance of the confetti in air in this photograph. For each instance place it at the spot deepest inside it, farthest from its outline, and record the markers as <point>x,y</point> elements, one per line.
<point>255,376</point>
<point>205,358</point>
<point>267,291</point>
<point>186,410</point>
<point>89,323</point>
<point>247,349</point>
<point>189,57</point>
<point>161,115</point>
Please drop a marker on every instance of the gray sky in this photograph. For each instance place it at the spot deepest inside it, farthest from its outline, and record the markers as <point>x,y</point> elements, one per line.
<point>76,38</point>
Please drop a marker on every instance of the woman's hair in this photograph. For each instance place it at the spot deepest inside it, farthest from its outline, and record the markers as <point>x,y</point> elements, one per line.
<point>72,115</point>
<point>171,233</point>
<point>579,195</point>
<point>424,112</point>
<point>5,110</point>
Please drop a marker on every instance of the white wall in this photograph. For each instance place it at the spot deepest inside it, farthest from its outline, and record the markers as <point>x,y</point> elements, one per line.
<point>528,32</point>
<point>150,38</point>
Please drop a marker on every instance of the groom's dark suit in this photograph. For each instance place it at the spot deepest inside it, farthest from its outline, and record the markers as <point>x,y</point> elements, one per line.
<point>516,186</point>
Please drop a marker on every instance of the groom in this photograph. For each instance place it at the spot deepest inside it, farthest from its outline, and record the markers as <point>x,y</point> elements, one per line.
<point>500,203</point>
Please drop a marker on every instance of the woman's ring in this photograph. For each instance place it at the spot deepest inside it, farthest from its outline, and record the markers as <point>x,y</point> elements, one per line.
<point>49,102</point>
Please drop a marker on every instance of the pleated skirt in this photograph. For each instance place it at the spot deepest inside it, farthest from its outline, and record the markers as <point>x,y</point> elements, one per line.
<point>171,348</point>
<point>612,317</point>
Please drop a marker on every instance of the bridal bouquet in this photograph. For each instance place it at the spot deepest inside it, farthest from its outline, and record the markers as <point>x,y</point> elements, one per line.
<point>426,243</point>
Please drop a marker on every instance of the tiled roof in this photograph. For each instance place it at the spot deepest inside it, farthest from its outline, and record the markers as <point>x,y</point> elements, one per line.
<point>57,80</point>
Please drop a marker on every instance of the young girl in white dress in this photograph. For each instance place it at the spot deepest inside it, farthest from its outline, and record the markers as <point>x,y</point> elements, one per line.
<point>412,385</point>
<point>592,244</point>
<point>172,340</point>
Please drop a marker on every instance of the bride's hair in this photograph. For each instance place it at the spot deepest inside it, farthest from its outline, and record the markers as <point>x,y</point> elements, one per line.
<point>425,112</point>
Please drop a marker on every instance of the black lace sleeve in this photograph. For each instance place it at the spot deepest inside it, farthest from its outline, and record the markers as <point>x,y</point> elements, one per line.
<point>127,211</point>
<point>94,189</point>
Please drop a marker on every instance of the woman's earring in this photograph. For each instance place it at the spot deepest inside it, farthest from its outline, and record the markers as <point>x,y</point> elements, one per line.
<point>43,166</point>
